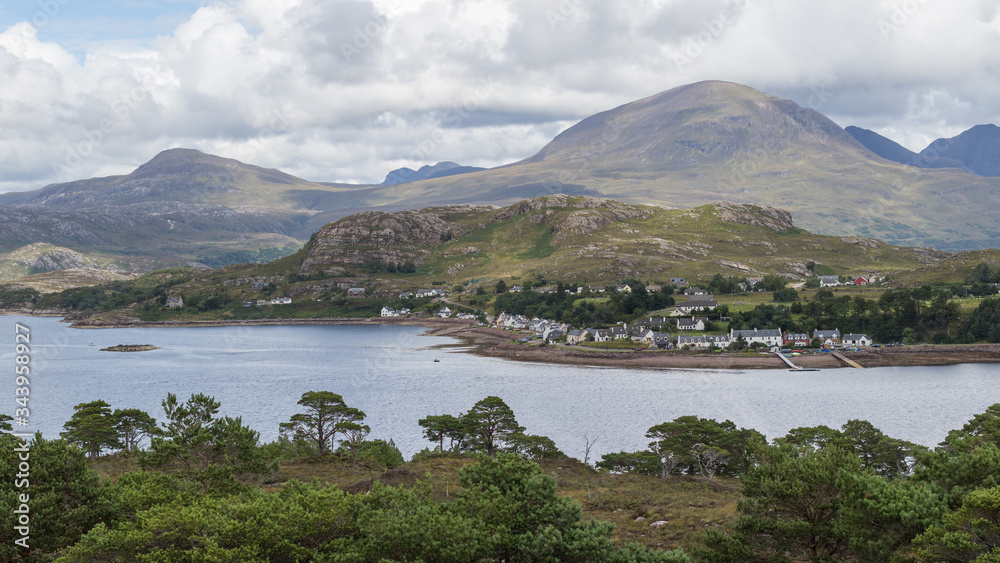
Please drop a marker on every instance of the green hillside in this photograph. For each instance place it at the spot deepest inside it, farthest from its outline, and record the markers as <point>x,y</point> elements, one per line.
<point>595,241</point>
<point>543,240</point>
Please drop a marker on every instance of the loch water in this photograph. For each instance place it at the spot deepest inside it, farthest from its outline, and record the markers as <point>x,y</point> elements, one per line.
<point>390,372</point>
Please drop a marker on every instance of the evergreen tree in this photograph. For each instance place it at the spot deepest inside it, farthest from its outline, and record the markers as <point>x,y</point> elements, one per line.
<point>65,498</point>
<point>971,533</point>
<point>133,426</point>
<point>491,425</point>
<point>93,427</point>
<point>326,415</point>
<point>213,452</point>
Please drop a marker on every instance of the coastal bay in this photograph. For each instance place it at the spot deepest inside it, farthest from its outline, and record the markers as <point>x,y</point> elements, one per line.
<point>259,372</point>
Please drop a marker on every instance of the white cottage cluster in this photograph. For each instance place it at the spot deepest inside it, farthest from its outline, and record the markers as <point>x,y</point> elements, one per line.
<point>654,332</point>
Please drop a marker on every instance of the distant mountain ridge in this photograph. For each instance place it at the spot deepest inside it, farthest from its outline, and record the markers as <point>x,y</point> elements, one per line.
<point>891,150</point>
<point>976,150</point>
<point>439,170</point>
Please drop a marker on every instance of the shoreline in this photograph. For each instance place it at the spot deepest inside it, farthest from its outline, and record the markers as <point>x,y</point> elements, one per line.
<point>498,343</point>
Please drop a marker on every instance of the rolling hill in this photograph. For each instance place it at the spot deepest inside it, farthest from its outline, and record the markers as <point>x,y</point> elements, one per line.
<point>600,240</point>
<point>181,207</point>
<point>578,240</point>
<point>570,238</point>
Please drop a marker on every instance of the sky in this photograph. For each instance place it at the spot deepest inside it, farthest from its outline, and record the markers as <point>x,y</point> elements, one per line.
<point>347,90</point>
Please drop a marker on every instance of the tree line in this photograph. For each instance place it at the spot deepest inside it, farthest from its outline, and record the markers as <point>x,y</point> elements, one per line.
<point>197,496</point>
<point>900,315</point>
<point>815,494</point>
<point>849,494</point>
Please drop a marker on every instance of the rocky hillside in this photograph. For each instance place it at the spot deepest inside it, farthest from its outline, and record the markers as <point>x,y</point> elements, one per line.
<point>593,239</point>
<point>63,279</point>
<point>41,257</point>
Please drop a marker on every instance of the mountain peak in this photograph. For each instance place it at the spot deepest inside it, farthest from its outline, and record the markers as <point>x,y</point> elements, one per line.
<point>180,160</point>
<point>978,148</point>
<point>705,124</point>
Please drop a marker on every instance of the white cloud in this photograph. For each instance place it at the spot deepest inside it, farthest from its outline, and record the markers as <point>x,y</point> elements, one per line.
<point>349,89</point>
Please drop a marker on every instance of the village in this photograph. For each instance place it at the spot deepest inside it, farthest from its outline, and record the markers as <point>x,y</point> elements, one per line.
<point>659,332</point>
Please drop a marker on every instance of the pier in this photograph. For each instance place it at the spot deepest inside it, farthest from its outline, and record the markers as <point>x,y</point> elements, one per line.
<point>850,363</point>
<point>793,367</point>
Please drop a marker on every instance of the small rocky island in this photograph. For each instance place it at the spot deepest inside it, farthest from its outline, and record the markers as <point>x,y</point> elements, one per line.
<point>130,348</point>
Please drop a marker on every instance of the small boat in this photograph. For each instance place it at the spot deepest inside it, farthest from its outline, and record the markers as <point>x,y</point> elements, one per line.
<point>436,360</point>
<point>91,343</point>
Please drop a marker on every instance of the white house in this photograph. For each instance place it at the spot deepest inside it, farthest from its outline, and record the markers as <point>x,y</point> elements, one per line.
<point>175,302</point>
<point>444,313</point>
<point>697,303</point>
<point>720,340</point>
<point>857,340</point>
<point>603,335</point>
<point>828,281</point>
<point>516,322</point>
<point>828,337</point>
<point>388,311</point>
<point>694,323</point>
<point>768,336</point>
<point>620,333</point>
<point>646,335</point>
<point>703,342</point>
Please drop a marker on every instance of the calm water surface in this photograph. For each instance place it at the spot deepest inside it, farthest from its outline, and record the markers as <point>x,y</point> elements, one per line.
<point>389,372</point>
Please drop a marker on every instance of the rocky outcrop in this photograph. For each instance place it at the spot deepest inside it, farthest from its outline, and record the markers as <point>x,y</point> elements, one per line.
<point>130,348</point>
<point>862,241</point>
<point>375,236</point>
<point>755,215</point>
<point>594,215</point>
<point>61,259</point>
<point>734,265</point>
